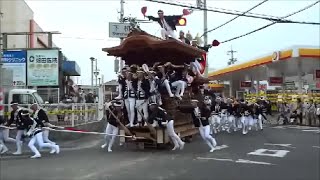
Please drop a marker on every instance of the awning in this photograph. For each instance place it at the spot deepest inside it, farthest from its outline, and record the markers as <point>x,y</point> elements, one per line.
<point>284,62</point>
<point>71,68</point>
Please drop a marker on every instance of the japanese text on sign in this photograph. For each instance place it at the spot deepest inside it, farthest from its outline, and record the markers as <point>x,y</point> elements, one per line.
<point>119,30</point>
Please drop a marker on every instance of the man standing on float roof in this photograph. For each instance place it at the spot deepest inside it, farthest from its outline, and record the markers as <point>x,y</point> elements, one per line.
<point>168,24</point>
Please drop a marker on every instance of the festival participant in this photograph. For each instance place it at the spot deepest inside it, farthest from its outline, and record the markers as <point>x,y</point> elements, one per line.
<point>176,79</point>
<point>121,83</point>
<point>245,112</point>
<point>258,112</point>
<point>163,79</point>
<point>183,38</point>
<point>159,115</point>
<point>155,96</point>
<point>33,130</point>
<point>112,128</point>
<point>130,97</point>
<point>220,116</point>
<point>231,115</point>
<point>3,147</point>
<point>40,115</point>
<point>167,23</point>
<point>143,93</point>
<point>197,64</point>
<point>200,116</point>
<point>15,116</point>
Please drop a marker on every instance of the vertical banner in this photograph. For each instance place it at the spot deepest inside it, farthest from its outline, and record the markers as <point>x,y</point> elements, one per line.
<point>43,67</point>
<point>15,61</point>
<point>203,62</point>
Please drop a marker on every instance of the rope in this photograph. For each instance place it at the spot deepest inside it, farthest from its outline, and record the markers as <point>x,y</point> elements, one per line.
<point>234,18</point>
<point>94,133</point>
<point>273,23</point>
<point>80,132</point>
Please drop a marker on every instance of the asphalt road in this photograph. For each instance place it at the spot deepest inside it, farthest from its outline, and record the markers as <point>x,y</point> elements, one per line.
<point>276,153</point>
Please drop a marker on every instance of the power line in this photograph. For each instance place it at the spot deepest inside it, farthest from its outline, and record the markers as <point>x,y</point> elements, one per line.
<point>279,20</point>
<point>229,10</point>
<point>268,25</point>
<point>235,17</point>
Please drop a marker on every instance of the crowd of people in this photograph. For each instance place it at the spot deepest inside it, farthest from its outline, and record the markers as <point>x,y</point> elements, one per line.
<point>30,127</point>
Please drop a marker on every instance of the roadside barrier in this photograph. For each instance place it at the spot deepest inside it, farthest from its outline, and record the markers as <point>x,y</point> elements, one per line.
<point>64,114</point>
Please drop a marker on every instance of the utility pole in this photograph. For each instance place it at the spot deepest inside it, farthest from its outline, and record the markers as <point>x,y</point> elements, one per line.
<point>1,46</point>
<point>121,21</point>
<point>205,29</point>
<point>232,60</point>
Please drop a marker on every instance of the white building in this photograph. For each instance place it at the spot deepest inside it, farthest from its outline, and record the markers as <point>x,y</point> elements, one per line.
<point>17,16</point>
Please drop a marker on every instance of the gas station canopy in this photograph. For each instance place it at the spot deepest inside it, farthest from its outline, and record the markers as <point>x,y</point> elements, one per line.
<point>284,63</point>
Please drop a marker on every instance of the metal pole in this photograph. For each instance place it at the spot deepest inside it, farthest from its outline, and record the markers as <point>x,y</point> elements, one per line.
<point>92,59</point>
<point>121,20</point>
<point>96,73</point>
<point>205,29</point>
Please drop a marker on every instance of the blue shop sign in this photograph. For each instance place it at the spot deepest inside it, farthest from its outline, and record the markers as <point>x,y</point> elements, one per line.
<point>14,57</point>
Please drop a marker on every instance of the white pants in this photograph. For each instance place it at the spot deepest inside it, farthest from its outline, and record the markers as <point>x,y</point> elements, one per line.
<point>215,122</point>
<point>205,134</point>
<point>179,85</point>
<point>109,139</point>
<point>259,121</point>
<point>130,106</point>
<point>142,108</point>
<point>167,85</point>
<point>232,121</point>
<point>2,145</point>
<point>38,138</point>
<point>5,135</point>
<point>46,137</point>
<point>18,140</point>
<point>173,136</point>
<point>120,92</point>
<point>196,67</point>
<point>169,33</point>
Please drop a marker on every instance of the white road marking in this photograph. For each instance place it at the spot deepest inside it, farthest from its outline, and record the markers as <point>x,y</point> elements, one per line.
<point>282,145</point>
<point>252,162</point>
<point>217,159</point>
<point>311,130</point>
<point>270,153</point>
<point>278,127</point>
<point>221,147</point>
<point>243,161</point>
<point>316,147</point>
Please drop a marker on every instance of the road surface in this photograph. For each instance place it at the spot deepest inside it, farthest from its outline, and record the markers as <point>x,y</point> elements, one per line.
<point>283,152</point>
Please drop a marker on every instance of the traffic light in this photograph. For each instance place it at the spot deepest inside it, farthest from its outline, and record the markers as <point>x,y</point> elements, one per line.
<point>182,22</point>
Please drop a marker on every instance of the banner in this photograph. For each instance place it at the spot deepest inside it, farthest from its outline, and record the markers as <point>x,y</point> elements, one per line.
<point>43,67</point>
<point>15,61</point>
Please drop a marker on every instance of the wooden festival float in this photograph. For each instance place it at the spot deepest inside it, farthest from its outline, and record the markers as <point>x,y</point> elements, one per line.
<point>142,48</point>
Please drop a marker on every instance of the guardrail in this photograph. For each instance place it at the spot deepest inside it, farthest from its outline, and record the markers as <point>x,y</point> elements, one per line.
<point>64,114</point>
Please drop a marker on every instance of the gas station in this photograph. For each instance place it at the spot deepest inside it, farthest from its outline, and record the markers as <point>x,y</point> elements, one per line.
<point>299,64</point>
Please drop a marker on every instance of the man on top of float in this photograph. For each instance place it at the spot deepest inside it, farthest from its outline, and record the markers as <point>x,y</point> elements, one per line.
<point>167,23</point>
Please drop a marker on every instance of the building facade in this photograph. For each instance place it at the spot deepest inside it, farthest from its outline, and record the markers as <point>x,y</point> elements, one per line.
<point>20,32</point>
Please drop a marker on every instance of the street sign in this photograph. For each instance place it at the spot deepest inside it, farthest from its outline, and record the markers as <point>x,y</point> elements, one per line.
<point>275,81</point>
<point>119,30</point>
<point>15,61</point>
<point>245,84</point>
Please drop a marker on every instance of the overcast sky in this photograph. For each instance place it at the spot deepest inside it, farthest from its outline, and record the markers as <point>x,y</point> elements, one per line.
<point>84,28</point>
